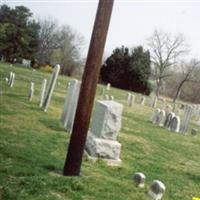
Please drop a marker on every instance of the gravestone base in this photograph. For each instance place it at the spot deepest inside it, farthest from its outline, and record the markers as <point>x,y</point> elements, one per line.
<point>109,150</point>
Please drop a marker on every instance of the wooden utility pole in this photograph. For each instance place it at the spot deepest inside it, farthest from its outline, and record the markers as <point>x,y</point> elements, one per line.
<point>88,89</point>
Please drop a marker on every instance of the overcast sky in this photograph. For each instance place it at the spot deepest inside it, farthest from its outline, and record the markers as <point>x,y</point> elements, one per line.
<point>132,22</point>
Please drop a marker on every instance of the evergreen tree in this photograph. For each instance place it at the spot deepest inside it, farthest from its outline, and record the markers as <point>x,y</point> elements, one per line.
<point>128,70</point>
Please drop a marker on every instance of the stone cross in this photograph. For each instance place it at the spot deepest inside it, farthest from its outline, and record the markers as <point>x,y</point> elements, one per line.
<point>31,92</point>
<point>139,179</point>
<point>42,92</point>
<point>50,88</point>
<point>157,190</point>
<point>71,100</point>
<point>102,138</point>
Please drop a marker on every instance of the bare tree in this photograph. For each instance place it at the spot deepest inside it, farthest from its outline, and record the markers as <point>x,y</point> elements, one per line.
<point>165,51</point>
<point>48,38</point>
<point>189,73</point>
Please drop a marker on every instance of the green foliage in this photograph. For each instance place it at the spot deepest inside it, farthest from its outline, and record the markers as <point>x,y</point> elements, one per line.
<point>46,68</point>
<point>128,70</point>
<point>33,147</point>
<point>18,33</point>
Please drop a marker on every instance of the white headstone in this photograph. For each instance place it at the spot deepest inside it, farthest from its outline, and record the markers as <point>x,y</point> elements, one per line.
<point>12,80</point>
<point>157,190</point>
<point>106,123</point>
<point>139,179</point>
<point>106,97</point>
<point>168,119</point>
<point>154,118</point>
<point>31,92</point>
<point>50,88</point>
<point>108,86</point>
<point>71,100</point>
<point>175,124</point>
<point>160,118</point>
<point>42,92</point>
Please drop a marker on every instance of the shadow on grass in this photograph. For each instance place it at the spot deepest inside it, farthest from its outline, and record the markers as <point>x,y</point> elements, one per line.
<point>52,124</point>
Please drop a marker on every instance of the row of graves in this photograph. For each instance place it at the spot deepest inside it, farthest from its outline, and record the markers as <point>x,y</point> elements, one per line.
<point>177,120</point>
<point>106,122</point>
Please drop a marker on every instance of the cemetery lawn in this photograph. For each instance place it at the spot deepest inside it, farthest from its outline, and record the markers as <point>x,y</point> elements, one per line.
<point>33,147</point>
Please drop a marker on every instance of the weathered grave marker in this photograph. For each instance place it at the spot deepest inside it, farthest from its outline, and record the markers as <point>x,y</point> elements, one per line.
<point>102,138</point>
<point>42,92</point>
<point>50,88</point>
<point>157,190</point>
<point>139,179</point>
<point>31,92</point>
<point>68,114</point>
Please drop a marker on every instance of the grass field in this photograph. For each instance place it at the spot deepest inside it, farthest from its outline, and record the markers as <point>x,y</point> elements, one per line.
<point>33,147</point>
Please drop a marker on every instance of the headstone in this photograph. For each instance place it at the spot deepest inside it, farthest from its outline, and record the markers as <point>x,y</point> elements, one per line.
<point>154,118</point>
<point>12,80</point>
<point>139,179</point>
<point>26,63</point>
<point>157,190</point>
<point>131,100</point>
<point>71,100</point>
<point>186,119</point>
<point>42,92</point>
<point>168,119</point>
<point>31,92</point>
<point>111,98</point>
<point>128,97</point>
<point>50,88</point>
<point>102,138</point>
<point>142,101</point>
<point>102,92</point>
<point>154,102</point>
<point>106,97</point>
<point>160,118</point>
<point>194,131</point>
<point>175,124</point>
<point>108,86</point>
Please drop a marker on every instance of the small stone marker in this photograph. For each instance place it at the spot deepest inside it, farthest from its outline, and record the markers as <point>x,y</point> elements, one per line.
<point>106,123</point>
<point>71,100</point>
<point>50,88</point>
<point>31,92</point>
<point>139,179</point>
<point>108,86</point>
<point>106,97</point>
<point>42,92</point>
<point>128,97</point>
<point>194,131</point>
<point>111,98</point>
<point>175,124</point>
<point>142,101</point>
<point>157,190</point>
<point>131,100</point>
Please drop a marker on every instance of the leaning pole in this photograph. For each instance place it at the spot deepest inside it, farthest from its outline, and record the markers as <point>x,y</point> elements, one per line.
<point>88,89</point>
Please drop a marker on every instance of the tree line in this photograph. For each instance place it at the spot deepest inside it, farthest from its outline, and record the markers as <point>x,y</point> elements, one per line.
<point>43,42</point>
<point>160,68</point>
